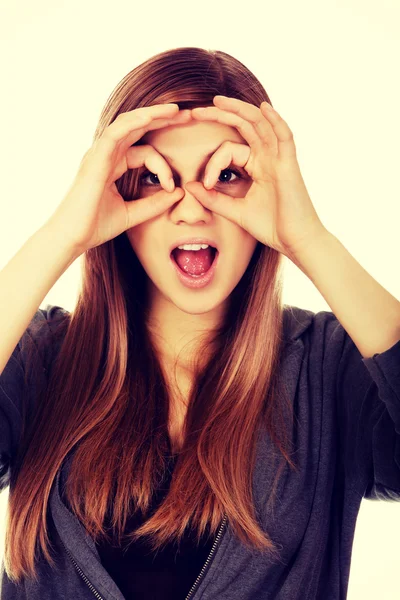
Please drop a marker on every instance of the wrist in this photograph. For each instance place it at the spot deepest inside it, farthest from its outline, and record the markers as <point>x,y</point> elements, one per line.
<point>309,247</point>
<point>58,239</point>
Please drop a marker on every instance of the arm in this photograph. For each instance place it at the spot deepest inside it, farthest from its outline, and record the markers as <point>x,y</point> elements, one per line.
<point>368,312</point>
<point>361,365</point>
<point>25,281</point>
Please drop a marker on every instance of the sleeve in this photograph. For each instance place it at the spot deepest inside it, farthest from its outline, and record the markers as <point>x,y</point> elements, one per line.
<point>368,404</point>
<point>17,388</point>
<point>11,393</point>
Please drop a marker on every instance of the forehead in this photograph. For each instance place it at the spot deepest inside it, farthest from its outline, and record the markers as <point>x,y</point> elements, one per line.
<point>198,137</point>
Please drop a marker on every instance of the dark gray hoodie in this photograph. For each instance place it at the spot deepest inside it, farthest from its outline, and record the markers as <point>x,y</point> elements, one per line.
<point>347,439</point>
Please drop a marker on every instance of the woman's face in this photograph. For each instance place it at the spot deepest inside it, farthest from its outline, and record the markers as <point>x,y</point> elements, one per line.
<point>187,147</point>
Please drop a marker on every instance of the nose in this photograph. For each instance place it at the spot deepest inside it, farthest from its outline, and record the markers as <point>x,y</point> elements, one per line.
<point>189,208</point>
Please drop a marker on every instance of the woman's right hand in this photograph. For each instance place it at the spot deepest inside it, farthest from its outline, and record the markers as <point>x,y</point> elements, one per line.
<point>93,211</point>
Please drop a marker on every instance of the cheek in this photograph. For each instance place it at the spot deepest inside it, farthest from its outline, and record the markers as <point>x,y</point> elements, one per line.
<point>143,239</point>
<point>139,247</point>
<point>247,244</point>
<point>131,239</point>
<point>241,256</point>
<point>238,190</point>
<point>137,236</point>
<point>248,249</point>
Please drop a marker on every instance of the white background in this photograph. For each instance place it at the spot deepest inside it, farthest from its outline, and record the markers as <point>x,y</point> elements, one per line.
<point>331,71</point>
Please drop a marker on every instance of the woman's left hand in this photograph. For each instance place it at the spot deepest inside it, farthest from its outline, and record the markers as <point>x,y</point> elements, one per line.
<point>277,209</point>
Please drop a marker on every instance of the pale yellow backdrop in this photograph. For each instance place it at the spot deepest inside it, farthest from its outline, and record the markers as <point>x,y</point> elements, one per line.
<point>331,70</point>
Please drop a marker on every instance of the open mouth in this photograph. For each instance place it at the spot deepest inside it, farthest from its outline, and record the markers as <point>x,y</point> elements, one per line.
<point>194,262</point>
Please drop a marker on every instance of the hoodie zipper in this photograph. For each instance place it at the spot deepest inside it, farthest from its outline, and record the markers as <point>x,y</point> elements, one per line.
<point>82,574</point>
<point>194,586</point>
<point>212,552</point>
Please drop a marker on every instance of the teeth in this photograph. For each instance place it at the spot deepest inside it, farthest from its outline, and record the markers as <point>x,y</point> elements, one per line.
<point>193,246</point>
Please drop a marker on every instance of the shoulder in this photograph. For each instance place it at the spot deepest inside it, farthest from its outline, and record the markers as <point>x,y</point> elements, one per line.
<point>300,323</point>
<point>46,320</point>
<point>43,335</point>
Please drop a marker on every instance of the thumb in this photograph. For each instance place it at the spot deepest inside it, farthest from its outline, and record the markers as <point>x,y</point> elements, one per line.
<point>142,209</point>
<point>224,205</point>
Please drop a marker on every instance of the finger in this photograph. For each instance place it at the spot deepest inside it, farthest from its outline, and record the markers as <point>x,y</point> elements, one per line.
<point>181,117</point>
<point>227,154</point>
<point>284,135</point>
<point>109,149</point>
<point>137,118</point>
<point>249,112</point>
<point>142,209</point>
<point>106,159</point>
<point>148,157</point>
<point>246,129</point>
<point>224,205</point>
<point>130,126</point>
<point>127,158</point>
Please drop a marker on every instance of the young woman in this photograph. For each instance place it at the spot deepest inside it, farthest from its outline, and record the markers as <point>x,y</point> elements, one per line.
<point>182,433</point>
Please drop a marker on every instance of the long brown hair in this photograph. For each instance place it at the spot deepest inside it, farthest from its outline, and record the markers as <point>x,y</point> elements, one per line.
<point>107,390</point>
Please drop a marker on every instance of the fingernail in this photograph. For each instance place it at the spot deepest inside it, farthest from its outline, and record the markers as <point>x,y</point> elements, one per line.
<point>171,185</point>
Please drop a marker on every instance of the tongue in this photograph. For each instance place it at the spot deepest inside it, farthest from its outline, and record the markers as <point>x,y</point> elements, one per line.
<point>194,262</point>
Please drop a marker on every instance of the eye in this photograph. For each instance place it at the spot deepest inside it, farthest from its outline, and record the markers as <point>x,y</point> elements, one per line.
<point>238,175</point>
<point>145,175</point>
<point>224,172</point>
